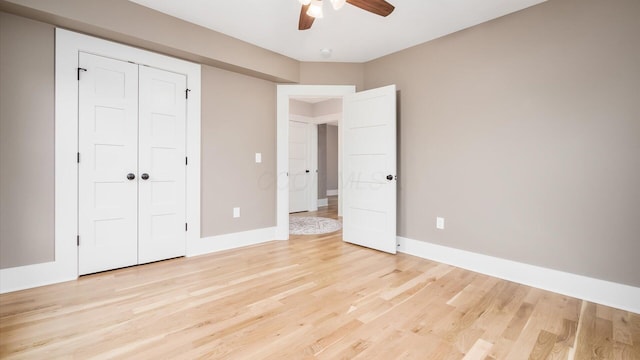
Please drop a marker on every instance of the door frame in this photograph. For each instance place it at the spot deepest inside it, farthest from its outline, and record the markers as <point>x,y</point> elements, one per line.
<point>284,93</point>
<point>64,267</point>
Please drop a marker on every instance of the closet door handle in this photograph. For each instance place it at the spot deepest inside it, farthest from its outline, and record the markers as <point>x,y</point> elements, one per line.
<point>144,176</point>
<point>131,176</point>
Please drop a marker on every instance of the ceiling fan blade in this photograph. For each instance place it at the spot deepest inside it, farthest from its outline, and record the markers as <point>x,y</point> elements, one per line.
<point>378,7</point>
<point>305,21</point>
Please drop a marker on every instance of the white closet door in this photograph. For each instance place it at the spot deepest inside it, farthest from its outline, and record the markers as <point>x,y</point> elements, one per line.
<point>162,134</point>
<point>299,172</point>
<point>108,146</point>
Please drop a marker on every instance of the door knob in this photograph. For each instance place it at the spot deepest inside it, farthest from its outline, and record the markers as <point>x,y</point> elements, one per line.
<point>131,176</point>
<point>144,176</point>
<point>389,177</point>
<point>307,171</point>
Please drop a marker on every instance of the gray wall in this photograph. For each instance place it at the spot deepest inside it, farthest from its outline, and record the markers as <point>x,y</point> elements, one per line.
<point>332,73</point>
<point>332,157</point>
<point>26,142</point>
<point>298,107</point>
<point>238,120</point>
<point>524,133</point>
<point>322,161</point>
<point>327,107</point>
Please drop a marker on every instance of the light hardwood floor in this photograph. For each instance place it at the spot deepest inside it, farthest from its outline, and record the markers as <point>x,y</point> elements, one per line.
<point>310,297</point>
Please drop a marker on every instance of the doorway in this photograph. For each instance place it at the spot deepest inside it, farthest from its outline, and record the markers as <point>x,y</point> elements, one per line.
<point>313,152</point>
<point>284,94</point>
<point>368,132</point>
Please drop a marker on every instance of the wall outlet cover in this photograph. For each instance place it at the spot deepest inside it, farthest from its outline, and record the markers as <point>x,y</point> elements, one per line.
<point>440,223</point>
<point>236,212</point>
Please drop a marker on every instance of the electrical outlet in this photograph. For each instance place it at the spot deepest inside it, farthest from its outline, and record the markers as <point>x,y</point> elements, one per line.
<point>258,158</point>
<point>440,223</point>
<point>236,212</point>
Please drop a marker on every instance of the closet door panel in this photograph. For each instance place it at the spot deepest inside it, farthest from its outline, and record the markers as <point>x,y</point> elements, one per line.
<point>162,150</point>
<point>108,147</point>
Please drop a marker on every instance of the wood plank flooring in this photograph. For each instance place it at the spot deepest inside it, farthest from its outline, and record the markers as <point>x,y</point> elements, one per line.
<point>313,297</point>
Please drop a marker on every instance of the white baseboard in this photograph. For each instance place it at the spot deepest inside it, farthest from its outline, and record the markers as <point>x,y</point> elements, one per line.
<point>332,192</point>
<point>323,202</point>
<point>603,292</point>
<point>230,241</point>
<point>30,276</point>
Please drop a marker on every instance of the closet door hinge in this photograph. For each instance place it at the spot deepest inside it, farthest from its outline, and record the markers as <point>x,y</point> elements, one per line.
<point>186,93</point>
<point>80,69</point>
<point>78,239</point>
<point>186,226</point>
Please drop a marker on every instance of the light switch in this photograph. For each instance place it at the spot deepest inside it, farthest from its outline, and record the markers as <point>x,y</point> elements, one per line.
<point>440,223</point>
<point>236,212</point>
<point>258,158</point>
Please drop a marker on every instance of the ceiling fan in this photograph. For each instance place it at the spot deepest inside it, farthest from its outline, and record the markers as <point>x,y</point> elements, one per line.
<point>312,9</point>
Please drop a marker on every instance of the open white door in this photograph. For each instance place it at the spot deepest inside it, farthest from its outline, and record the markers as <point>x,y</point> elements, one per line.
<point>369,169</point>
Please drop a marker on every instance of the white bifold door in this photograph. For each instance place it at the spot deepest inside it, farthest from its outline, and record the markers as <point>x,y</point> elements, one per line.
<point>131,170</point>
<point>369,168</point>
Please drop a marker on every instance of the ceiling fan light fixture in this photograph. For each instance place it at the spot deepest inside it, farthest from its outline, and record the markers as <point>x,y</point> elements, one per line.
<point>338,4</point>
<point>315,9</point>
<point>304,2</point>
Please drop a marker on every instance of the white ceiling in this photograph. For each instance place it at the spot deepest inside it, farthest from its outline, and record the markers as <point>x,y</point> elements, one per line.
<point>352,34</point>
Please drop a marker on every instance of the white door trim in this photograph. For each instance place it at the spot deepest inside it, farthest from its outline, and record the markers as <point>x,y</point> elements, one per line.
<point>68,44</point>
<point>284,92</point>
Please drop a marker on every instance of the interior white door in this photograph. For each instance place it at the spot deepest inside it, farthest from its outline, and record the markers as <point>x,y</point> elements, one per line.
<point>108,167</point>
<point>369,169</point>
<point>162,150</point>
<point>299,172</point>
